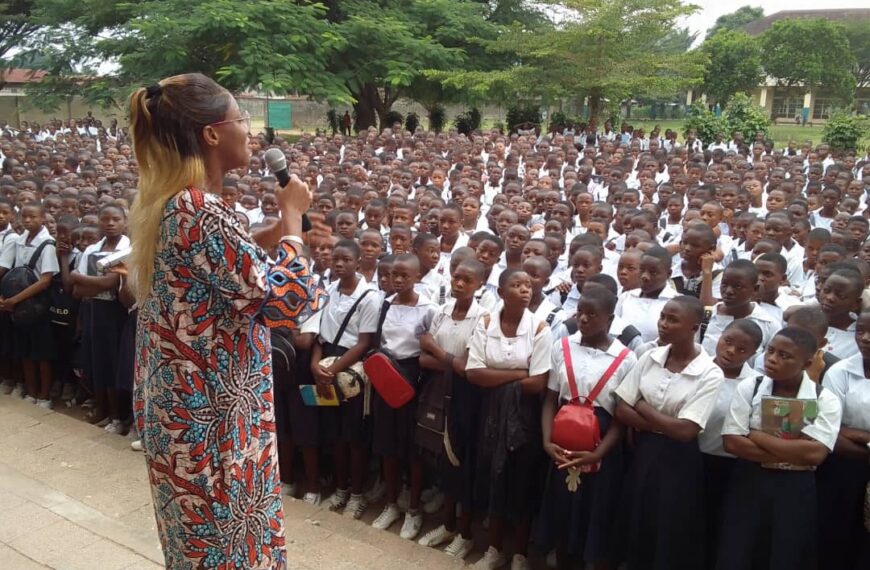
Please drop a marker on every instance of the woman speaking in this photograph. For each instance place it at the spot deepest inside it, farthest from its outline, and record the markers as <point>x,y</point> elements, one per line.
<point>207,296</point>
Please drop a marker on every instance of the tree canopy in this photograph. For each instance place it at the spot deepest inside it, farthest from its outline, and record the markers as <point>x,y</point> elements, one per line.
<point>736,19</point>
<point>858,34</point>
<point>794,54</point>
<point>602,50</point>
<point>735,64</point>
<point>16,26</point>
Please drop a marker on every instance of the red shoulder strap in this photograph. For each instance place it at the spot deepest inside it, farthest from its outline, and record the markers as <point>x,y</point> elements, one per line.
<point>590,399</point>
<point>569,369</point>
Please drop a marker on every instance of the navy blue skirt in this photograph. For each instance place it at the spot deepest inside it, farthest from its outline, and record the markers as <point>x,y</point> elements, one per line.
<point>583,523</point>
<point>717,481</point>
<point>393,428</point>
<point>843,541</point>
<point>662,518</point>
<point>346,423</point>
<point>770,520</point>
<point>107,319</point>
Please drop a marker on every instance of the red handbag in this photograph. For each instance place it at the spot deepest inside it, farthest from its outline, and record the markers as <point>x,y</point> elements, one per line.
<point>384,373</point>
<point>575,427</point>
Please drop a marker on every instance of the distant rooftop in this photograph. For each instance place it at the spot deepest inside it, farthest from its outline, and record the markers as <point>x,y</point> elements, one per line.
<point>17,75</point>
<point>762,24</point>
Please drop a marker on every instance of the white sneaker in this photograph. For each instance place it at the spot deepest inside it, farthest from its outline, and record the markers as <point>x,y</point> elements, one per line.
<point>388,516</point>
<point>404,500</point>
<point>114,426</point>
<point>289,489</point>
<point>492,559</point>
<point>338,500</point>
<point>459,547</point>
<point>45,404</point>
<point>18,391</point>
<point>312,498</point>
<point>137,445</point>
<point>30,400</point>
<point>427,494</point>
<point>434,503</point>
<point>412,525</point>
<point>520,562</point>
<point>356,506</point>
<point>377,492</point>
<point>436,537</point>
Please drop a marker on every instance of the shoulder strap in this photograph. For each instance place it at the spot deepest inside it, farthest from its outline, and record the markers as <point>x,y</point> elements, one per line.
<point>347,317</point>
<point>628,334</point>
<point>442,294</point>
<point>590,399</point>
<point>569,369</point>
<point>552,316</point>
<point>819,389</point>
<point>384,308</point>
<point>702,330</point>
<point>758,380</point>
<point>571,325</point>
<point>34,259</point>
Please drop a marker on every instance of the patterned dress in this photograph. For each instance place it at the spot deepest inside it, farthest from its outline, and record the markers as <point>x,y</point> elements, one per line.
<point>203,386</point>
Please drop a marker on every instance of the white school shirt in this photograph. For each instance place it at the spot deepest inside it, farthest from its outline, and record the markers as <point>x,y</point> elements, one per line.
<point>571,301</point>
<point>86,266</point>
<point>745,411</point>
<point>530,349</point>
<point>491,284</point>
<point>8,239</point>
<point>677,271</point>
<point>643,312</point>
<point>687,395</point>
<point>454,336</point>
<point>710,440</point>
<point>544,312</point>
<point>404,325</point>
<point>847,381</point>
<point>765,320</point>
<point>23,251</point>
<point>841,343</point>
<point>443,266</point>
<point>795,259</point>
<point>434,286</point>
<point>589,365</point>
<point>818,221</point>
<point>364,319</point>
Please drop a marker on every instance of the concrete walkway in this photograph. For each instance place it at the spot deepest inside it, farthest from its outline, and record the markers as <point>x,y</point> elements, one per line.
<point>74,497</point>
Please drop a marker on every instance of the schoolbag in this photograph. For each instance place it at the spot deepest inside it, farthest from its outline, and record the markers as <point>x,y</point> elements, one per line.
<point>628,334</point>
<point>18,279</point>
<point>433,403</point>
<point>691,286</point>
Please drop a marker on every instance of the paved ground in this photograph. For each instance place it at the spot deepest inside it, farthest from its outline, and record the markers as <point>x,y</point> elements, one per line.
<point>73,497</point>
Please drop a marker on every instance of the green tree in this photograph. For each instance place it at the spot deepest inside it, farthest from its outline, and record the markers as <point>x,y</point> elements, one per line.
<point>678,41</point>
<point>604,50</point>
<point>744,116</point>
<point>812,53</point>
<point>735,65</point>
<point>858,34</point>
<point>737,19</point>
<point>16,26</point>
<point>844,131</point>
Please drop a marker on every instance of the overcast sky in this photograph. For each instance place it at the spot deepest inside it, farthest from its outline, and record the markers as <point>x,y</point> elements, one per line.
<point>712,9</point>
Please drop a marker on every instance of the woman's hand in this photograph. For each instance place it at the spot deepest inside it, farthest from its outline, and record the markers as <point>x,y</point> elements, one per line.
<point>295,198</point>
<point>578,458</point>
<point>556,453</point>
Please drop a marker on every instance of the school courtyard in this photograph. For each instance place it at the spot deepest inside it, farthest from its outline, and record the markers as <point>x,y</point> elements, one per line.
<point>73,497</point>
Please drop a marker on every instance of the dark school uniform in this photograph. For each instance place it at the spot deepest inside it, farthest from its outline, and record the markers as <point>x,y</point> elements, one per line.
<point>510,459</point>
<point>393,428</point>
<point>8,239</point>
<point>663,502</point>
<point>578,514</point>
<point>105,322</point>
<point>770,516</point>
<point>842,481</point>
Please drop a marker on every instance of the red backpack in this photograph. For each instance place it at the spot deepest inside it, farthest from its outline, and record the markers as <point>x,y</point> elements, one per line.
<point>384,373</point>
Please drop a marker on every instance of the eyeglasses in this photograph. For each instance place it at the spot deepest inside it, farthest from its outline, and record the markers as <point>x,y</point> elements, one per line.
<point>246,117</point>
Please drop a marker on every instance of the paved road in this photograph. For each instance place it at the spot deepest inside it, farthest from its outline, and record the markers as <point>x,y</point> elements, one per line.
<point>73,497</point>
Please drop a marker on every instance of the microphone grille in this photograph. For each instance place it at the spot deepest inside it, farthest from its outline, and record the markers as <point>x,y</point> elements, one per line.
<point>275,159</point>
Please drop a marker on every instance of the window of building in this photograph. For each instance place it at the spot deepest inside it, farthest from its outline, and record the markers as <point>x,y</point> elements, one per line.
<point>823,107</point>
<point>786,107</point>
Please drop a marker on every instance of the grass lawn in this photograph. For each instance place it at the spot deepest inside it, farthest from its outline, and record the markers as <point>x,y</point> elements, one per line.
<point>782,133</point>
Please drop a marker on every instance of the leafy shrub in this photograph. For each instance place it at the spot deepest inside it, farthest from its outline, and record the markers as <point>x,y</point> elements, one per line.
<point>844,131</point>
<point>332,119</point>
<point>412,121</point>
<point>467,122</point>
<point>519,114</point>
<point>744,116</point>
<point>703,122</point>
<point>391,118</point>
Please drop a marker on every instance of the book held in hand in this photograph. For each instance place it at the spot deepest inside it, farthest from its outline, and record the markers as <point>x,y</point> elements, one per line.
<point>786,418</point>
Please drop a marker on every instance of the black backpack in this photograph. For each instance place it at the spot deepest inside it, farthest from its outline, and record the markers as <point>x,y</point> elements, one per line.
<point>18,279</point>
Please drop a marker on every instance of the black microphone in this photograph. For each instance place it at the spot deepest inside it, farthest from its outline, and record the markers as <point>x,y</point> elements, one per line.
<point>277,163</point>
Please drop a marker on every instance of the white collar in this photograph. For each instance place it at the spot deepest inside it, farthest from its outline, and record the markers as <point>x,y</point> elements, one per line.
<point>696,367</point>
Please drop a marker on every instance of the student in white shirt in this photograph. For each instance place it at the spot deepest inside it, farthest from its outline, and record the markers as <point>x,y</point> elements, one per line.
<point>509,357</point>
<point>585,262</point>
<point>578,519</point>
<point>840,298</point>
<point>407,317</point>
<point>445,348</point>
<point>667,398</point>
<point>8,239</point>
<point>738,343</point>
<point>432,284</point>
<point>33,341</point>
<point>642,306</point>
<point>739,287</point>
<point>842,479</point>
<point>351,301</point>
<point>539,270</point>
<point>770,518</point>
<point>452,238</point>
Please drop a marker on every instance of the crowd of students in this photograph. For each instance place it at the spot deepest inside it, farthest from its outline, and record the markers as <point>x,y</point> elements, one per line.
<point>492,267</point>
